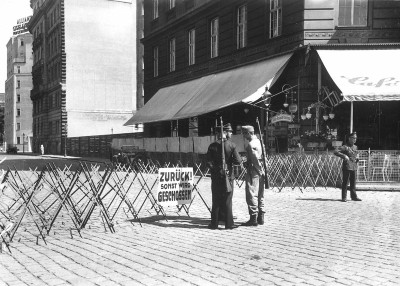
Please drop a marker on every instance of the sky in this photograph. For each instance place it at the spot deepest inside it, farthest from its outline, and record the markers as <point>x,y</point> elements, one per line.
<point>10,12</point>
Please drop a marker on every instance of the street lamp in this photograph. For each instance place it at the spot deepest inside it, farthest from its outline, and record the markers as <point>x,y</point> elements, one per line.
<point>331,114</point>
<point>287,89</point>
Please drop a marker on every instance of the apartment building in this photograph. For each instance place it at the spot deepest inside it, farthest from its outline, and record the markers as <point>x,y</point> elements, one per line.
<point>205,59</point>
<point>18,105</point>
<point>84,69</point>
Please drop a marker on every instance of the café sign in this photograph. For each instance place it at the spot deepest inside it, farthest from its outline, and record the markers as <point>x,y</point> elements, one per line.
<point>21,27</point>
<point>282,117</point>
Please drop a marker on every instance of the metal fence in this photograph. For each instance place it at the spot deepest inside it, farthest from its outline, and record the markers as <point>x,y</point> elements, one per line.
<point>54,200</point>
<point>305,170</point>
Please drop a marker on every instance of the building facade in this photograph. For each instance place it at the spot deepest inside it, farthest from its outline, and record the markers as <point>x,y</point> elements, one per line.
<point>186,41</point>
<point>84,71</point>
<point>2,103</point>
<point>139,60</point>
<point>18,106</point>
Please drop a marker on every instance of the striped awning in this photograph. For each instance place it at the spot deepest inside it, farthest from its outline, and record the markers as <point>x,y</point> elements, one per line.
<point>364,75</point>
<point>212,92</point>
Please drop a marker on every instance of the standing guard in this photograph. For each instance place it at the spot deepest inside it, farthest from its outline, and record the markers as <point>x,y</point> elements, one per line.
<point>221,156</point>
<point>349,154</point>
<point>254,178</point>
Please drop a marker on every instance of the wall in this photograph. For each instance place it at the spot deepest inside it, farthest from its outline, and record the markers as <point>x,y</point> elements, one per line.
<point>19,56</point>
<point>100,43</point>
<point>320,23</point>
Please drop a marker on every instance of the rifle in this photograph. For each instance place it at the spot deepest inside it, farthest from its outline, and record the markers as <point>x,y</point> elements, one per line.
<point>228,183</point>
<point>266,183</point>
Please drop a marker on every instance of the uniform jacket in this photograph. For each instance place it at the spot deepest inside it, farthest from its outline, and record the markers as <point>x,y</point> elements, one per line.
<point>351,152</point>
<point>214,157</point>
<point>254,156</point>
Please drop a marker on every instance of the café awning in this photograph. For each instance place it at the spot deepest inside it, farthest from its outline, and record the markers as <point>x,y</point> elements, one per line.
<point>211,92</point>
<point>364,75</point>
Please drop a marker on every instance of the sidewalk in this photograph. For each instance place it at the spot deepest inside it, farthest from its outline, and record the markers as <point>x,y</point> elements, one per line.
<point>88,159</point>
<point>309,238</point>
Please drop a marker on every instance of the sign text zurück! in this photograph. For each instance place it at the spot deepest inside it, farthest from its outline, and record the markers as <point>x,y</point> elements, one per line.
<point>175,186</point>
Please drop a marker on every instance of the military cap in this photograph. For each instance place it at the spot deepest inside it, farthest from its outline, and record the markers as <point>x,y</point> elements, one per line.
<point>247,129</point>
<point>353,134</point>
<point>228,127</point>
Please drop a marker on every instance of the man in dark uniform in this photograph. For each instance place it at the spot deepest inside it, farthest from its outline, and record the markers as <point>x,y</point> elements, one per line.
<point>221,199</point>
<point>349,154</point>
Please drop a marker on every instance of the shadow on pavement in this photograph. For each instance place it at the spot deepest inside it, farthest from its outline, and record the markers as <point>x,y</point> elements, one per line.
<point>318,199</point>
<point>174,221</point>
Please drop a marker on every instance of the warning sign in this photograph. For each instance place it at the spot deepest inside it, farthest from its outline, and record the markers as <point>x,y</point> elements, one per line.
<point>174,186</point>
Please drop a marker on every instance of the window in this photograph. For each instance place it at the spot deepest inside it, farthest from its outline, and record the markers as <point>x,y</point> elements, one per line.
<point>172,55</point>
<point>18,69</point>
<point>18,83</point>
<point>18,126</point>
<point>353,12</point>
<point>18,112</point>
<point>275,18</point>
<point>241,33</point>
<point>18,140</point>
<point>142,63</point>
<point>192,46</point>
<point>155,9</point>
<point>171,4</point>
<point>155,61</point>
<point>214,38</point>
<point>18,98</point>
<point>142,9</point>
<point>22,42</point>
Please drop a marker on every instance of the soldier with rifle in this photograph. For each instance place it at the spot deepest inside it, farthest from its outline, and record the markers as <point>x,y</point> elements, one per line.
<point>221,156</point>
<point>254,177</point>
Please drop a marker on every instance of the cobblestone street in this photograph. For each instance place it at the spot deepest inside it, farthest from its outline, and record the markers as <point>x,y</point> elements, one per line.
<point>309,238</point>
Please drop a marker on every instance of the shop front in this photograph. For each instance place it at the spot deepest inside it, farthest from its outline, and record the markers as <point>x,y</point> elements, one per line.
<point>343,90</point>
<point>307,101</point>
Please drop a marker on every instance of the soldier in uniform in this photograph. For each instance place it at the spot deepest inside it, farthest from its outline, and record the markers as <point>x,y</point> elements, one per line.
<point>349,154</point>
<point>254,178</point>
<point>221,199</point>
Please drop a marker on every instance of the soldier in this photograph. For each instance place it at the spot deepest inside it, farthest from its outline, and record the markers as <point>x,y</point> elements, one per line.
<point>254,178</point>
<point>349,154</point>
<point>221,193</point>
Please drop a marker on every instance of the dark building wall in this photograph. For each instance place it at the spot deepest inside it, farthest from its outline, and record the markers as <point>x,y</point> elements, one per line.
<point>303,22</point>
<point>258,43</point>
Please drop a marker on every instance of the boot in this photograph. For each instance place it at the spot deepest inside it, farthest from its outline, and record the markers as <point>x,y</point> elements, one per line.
<point>252,221</point>
<point>260,218</point>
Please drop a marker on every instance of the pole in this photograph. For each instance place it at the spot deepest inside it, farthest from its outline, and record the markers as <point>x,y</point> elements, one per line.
<point>351,116</point>
<point>228,183</point>
<point>319,88</point>
<point>23,142</point>
<point>266,183</point>
<point>65,146</point>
